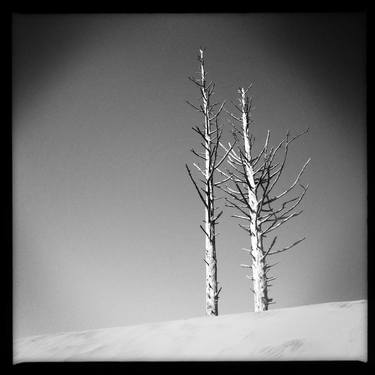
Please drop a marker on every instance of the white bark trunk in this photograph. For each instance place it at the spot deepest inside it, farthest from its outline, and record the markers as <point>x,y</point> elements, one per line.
<point>257,261</point>
<point>210,250</point>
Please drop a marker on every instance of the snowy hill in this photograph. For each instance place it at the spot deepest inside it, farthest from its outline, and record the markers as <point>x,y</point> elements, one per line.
<point>328,331</point>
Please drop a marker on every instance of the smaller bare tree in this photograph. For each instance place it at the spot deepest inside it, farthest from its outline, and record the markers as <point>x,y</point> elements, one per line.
<point>254,178</point>
<point>210,134</point>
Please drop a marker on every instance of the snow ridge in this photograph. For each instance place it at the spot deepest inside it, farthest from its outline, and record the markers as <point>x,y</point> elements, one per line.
<point>327,331</point>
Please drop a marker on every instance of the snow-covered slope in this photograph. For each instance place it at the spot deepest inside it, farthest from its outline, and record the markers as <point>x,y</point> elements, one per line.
<point>328,331</point>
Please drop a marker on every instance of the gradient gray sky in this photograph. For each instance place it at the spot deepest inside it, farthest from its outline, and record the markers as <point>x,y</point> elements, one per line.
<point>106,221</point>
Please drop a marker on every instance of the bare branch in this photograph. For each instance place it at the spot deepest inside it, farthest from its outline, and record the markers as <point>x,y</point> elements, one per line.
<point>274,212</point>
<point>233,196</point>
<point>244,198</point>
<point>199,131</point>
<point>208,236</point>
<point>199,169</point>
<point>246,229</point>
<point>270,248</point>
<point>215,130</point>
<point>217,216</point>
<point>242,217</point>
<point>273,226</point>
<point>264,149</point>
<point>270,279</point>
<point>236,106</point>
<point>218,112</point>
<point>196,187</point>
<point>208,87</point>
<point>196,82</point>
<point>222,181</point>
<point>233,191</point>
<point>279,171</point>
<point>206,148</point>
<point>233,205</point>
<point>218,292</point>
<point>233,116</point>
<point>248,88</point>
<point>298,201</point>
<point>196,154</point>
<point>200,109</point>
<point>224,157</point>
<point>277,174</point>
<point>291,186</point>
<point>237,199</point>
<point>288,247</point>
<point>269,266</point>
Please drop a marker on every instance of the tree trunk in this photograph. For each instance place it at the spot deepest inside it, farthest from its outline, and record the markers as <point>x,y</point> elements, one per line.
<point>210,251</point>
<point>259,279</point>
<point>255,176</point>
<point>211,134</point>
<point>258,262</point>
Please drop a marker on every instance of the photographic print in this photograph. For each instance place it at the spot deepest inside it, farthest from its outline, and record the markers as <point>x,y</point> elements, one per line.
<point>189,187</point>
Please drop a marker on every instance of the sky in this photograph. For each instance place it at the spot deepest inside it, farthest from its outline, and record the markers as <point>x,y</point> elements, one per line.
<point>105,219</point>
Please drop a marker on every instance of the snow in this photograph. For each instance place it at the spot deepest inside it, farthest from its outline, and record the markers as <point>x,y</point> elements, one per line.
<point>328,331</point>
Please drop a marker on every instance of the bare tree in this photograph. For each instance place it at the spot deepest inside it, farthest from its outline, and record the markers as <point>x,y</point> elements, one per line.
<point>210,133</point>
<point>252,196</point>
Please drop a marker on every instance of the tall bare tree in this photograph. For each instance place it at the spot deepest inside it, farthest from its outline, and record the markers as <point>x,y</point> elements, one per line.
<point>252,196</point>
<point>210,133</point>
